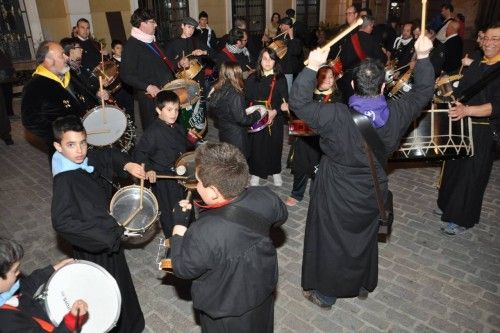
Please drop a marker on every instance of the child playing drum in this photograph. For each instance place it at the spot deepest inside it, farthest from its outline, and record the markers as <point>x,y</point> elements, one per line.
<point>19,312</point>
<point>228,251</point>
<point>163,142</point>
<point>81,193</point>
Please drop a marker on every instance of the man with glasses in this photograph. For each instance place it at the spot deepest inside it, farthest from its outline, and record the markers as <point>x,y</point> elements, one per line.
<point>464,180</point>
<point>145,67</point>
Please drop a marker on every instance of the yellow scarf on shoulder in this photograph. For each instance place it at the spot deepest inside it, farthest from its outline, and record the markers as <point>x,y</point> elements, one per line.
<point>42,71</point>
<point>491,61</point>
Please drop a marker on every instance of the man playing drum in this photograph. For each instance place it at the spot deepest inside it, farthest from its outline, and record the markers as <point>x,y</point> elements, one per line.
<point>81,194</point>
<point>19,312</point>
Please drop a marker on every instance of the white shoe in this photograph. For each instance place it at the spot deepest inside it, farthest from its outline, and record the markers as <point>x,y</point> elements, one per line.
<point>277,179</point>
<point>254,180</point>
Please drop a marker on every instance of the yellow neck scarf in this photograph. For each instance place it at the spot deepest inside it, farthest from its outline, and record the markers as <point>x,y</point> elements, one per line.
<point>267,73</point>
<point>491,61</point>
<point>42,71</point>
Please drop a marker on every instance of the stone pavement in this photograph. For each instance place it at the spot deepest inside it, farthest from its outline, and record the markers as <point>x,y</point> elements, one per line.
<point>428,282</point>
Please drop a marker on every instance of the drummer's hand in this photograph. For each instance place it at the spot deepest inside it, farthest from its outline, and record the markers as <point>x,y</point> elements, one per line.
<point>103,94</point>
<point>317,58</point>
<point>284,107</point>
<point>199,52</point>
<point>272,115</point>
<point>179,230</point>
<point>290,33</point>
<point>184,62</point>
<point>135,170</point>
<point>185,205</point>
<point>151,176</point>
<point>423,47</point>
<point>79,305</point>
<point>412,64</point>
<point>458,111</point>
<point>63,263</point>
<point>152,90</point>
<point>466,61</point>
<point>264,38</point>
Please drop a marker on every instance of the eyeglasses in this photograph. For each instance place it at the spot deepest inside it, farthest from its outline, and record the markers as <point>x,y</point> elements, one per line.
<point>493,39</point>
<point>151,21</point>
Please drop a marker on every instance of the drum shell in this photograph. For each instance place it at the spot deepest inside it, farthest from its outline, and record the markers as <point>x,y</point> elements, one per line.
<point>189,91</point>
<point>187,161</point>
<point>279,46</point>
<point>109,71</point>
<point>262,122</point>
<point>190,73</point>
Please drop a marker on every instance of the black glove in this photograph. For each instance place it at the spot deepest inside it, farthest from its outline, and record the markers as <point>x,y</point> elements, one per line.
<point>181,217</point>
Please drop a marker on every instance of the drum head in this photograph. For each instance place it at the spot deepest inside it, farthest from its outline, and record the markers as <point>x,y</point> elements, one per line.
<point>87,281</point>
<point>187,90</point>
<point>262,122</point>
<point>127,200</point>
<point>105,125</point>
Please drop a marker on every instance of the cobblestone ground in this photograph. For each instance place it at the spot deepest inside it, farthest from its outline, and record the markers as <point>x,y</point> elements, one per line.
<point>428,282</point>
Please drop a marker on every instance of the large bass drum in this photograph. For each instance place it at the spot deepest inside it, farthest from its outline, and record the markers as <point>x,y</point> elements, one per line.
<point>90,282</point>
<point>434,136</point>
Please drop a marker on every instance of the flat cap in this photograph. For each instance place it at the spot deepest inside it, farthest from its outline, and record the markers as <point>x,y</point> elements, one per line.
<point>190,21</point>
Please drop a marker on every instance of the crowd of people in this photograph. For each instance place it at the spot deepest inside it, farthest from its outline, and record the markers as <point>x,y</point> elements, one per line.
<point>218,239</point>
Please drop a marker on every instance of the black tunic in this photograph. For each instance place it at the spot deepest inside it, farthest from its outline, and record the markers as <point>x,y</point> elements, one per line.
<point>159,148</point>
<point>404,53</point>
<point>292,62</point>
<point>91,55</point>
<point>22,320</point>
<point>453,49</point>
<point>179,47</point>
<point>80,214</point>
<point>464,180</point>
<point>266,145</point>
<point>340,245</point>
<point>228,107</point>
<point>235,269</point>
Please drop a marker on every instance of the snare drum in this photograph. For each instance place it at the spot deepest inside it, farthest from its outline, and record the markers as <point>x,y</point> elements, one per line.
<point>109,71</point>
<point>190,72</point>
<point>279,46</point>
<point>444,87</point>
<point>262,122</point>
<point>402,86</point>
<point>187,90</point>
<point>104,125</point>
<point>90,282</point>
<point>127,200</point>
<point>185,166</point>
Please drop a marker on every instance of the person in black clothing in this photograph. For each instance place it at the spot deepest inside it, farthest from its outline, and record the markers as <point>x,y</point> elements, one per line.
<point>91,55</point>
<point>291,63</point>
<point>227,103</point>
<point>19,312</point>
<point>159,148</point>
<point>124,95</point>
<point>80,209</point>
<point>205,34</point>
<point>144,65</point>
<point>359,46</point>
<point>227,252</point>
<point>235,50</point>
<point>403,48</point>
<point>7,75</point>
<point>351,16</point>
<point>300,30</point>
<point>453,48</point>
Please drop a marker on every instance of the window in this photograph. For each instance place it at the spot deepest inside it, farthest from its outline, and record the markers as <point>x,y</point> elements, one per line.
<point>15,33</point>
<point>308,12</point>
<point>253,11</point>
<point>169,15</point>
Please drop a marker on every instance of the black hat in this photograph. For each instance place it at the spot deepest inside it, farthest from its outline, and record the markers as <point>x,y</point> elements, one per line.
<point>190,21</point>
<point>287,21</point>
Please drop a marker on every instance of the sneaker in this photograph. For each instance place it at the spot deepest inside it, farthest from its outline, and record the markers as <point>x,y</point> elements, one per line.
<point>453,229</point>
<point>291,201</point>
<point>312,296</point>
<point>437,211</point>
<point>277,179</point>
<point>254,180</point>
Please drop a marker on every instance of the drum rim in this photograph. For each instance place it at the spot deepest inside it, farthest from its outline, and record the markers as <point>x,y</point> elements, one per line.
<point>99,107</point>
<point>155,204</point>
<point>187,82</point>
<point>101,269</point>
<point>186,183</point>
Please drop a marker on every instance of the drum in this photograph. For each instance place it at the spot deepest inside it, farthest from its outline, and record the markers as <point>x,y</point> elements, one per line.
<point>185,166</point>
<point>279,46</point>
<point>126,202</point>
<point>337,69</point>
<point>402,86</point>
<point>187,90</point>
<point>190,72</point>
<point>193,117</point>
<point>262,122</point>
<point>109,72</point>
<point>434,136</point>
<point>444,87</point>
<point>298,127</point>
<point>90,282</point>
<point>127,140</point>
<point>104,126</point>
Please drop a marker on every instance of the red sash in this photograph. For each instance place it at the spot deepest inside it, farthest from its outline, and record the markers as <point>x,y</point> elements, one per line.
<point>46,326</point>
<point>269,98</point>
<point>231,56</point>
<point>357,46</point>
<point>164,57</point>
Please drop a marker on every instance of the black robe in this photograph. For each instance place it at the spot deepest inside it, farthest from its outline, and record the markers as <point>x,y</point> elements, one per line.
<point>179,47</point>
<point>80,215</point>
<point>159,148</point>
<point>340,244</point>
<point>453,49</point>
<point>234,269</point>
<point>292,62</point>
<point>91,55</point>
<point>266,145</point>
<point>404,53</point>
<point>22,320</point>
<point>464,180</point>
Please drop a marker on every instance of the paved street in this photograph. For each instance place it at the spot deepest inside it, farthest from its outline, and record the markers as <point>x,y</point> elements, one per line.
<point>428,282</point>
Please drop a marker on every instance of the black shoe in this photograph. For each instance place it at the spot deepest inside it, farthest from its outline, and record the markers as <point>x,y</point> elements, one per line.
<point>312,297</point>
<point>8,141</point>
<point>363,293</point>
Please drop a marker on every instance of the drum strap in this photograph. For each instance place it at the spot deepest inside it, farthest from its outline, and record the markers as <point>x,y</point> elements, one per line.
<point>160,53</point>
<point>46,326</point>
<point>231,56</point>
<point>357,46</point>
<point>270,97</point>
<point>371,137</point>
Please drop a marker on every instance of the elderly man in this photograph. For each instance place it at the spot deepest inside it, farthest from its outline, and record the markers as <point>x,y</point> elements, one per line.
<point>340,244</point>
<point>403,47</point>
<point>465,180</point>
<point>145,67</point>
<point>51,94</point>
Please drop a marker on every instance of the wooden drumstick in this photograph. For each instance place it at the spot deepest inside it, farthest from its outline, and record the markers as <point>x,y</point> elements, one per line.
<point>462,67</point>
<point>337,38</point>
<point>171,177</point>
<point>250,68</point>
<point>188,197</point>
<point>281,34</point>
<point>101,131</point>
<point>142,190</point>
<point>103,104</point>
<point>131,216</point>
<point>424,13</point>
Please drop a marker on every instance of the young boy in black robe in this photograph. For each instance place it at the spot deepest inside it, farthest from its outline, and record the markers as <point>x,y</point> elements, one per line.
<point>228,252</point>
<point>81,194</point>
<point>19,312</point>
<point>163,142</point>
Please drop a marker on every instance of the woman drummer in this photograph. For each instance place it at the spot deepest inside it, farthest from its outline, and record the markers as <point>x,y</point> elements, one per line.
<point>306,149</point>
<point>227,103</point>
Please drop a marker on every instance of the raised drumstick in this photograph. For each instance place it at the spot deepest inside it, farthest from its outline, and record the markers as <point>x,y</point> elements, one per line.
<point>142,190</point>
<point>424,10</point>
<point>103,104</point>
